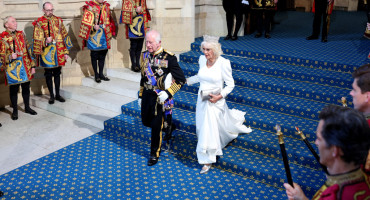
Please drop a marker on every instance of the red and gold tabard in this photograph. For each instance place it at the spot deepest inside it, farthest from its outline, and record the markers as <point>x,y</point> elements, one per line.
<point>16,42</point>
<point>97,14</point>
<point>45,27</point>
<point>354,185</point>
<point>128,13</point>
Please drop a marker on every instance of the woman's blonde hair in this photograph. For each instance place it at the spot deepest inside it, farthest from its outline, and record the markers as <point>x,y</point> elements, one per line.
<point>211,42</point>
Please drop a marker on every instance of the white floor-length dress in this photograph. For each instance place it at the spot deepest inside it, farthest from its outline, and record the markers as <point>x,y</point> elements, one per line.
<point>216,124</point>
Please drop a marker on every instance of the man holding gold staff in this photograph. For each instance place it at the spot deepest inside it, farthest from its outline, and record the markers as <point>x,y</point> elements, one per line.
<point>96,30</point>
<point>51,46</point>
<point>15,55</point>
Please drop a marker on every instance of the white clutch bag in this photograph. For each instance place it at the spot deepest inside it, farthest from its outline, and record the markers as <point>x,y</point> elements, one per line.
<point>204,94</point>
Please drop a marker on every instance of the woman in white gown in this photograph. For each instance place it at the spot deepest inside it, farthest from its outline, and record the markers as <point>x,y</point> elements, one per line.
<point>216,124</point>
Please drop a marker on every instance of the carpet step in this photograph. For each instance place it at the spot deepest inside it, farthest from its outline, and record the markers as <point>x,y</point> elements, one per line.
<point>235,160</point>
<point>301,53</point>
<point>95,97</point>
<point>255,117</point>
<point>74,110</point>
<point>115,85</point>
<point>280,70</point>
<point>120,172</point>
<point>286,87</point>
<point>257,141</point>
<point>264,100</point>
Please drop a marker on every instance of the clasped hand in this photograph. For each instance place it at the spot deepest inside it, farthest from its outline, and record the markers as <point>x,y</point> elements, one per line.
<point>14,56</point>
<point>214,98</point>
<point>49,40</point>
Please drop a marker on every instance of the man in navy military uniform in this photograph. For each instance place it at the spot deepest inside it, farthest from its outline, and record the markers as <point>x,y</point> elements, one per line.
<point>156,65</point>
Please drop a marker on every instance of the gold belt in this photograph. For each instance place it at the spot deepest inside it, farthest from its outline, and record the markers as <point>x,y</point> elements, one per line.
<point>150,87</point>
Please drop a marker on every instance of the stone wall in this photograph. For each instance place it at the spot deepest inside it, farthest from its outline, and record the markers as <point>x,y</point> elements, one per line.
<point>173,18</point>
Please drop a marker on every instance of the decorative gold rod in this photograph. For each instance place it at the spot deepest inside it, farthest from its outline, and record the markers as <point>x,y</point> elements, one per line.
<point>284,154</point>
<point>299,132</point>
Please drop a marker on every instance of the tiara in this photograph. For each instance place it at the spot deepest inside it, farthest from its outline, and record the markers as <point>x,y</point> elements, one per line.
<point>208,38</point>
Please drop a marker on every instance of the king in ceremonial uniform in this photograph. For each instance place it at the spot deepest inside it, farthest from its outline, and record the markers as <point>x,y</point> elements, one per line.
<point>97,29</point>
<point>135,15</point>
<point>161,78</point>
<point>16,56</point>
<point>51,47</point>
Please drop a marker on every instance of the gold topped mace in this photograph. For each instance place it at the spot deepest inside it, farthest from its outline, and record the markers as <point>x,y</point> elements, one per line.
<point>284,154</point>
<point>299,132</point>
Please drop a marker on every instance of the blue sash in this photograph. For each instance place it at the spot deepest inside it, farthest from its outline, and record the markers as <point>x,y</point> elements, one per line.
<point>149,72</point>
<point>16,72</point>
<point>97,41</point>
<point>136,29</point>
<point>49,58</point>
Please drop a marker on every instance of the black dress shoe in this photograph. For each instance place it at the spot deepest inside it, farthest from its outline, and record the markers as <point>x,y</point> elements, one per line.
<point>228,37</point>
<point>104,78</point>
<point>267,35</point>
<point>30,111</point>
<point>60,98</point>
<point>234,38</point>
<point>312,37</point>
<point>15,115</point>
<point>51,100</point>
<point>324,39</point>
<point>97,80</point>
<point>135,69</point>
<point>258,35</point>
<point>152,160</point>
<point>1,193</point>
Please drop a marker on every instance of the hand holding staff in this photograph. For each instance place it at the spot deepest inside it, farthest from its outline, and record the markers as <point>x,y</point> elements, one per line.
<point>283,153</point>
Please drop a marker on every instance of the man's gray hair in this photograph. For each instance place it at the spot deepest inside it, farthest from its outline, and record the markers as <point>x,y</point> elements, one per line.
<point>156,34</point>
<point>6,19</point>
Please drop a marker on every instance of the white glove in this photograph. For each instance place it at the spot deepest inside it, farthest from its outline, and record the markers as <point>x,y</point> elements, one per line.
<point>245,2</point>
<point>162,96</point>
<point>139,102</point>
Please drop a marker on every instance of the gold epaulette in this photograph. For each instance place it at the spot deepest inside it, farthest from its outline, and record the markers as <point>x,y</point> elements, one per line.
<point>168,52</point>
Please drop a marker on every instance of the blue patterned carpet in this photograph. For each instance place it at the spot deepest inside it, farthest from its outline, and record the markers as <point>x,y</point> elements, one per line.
<point>285,80</point>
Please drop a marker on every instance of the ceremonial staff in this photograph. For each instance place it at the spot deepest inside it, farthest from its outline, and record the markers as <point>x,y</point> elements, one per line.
<point>14,45</point>
<point>311,149</point>
<point>49,28</point>
<point>344,101</point>
<point>283,153</point>
<point>99,17</point>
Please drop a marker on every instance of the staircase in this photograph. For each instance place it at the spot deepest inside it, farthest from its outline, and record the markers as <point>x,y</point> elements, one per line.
<point>271,93</point>
<point>275,85</point>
